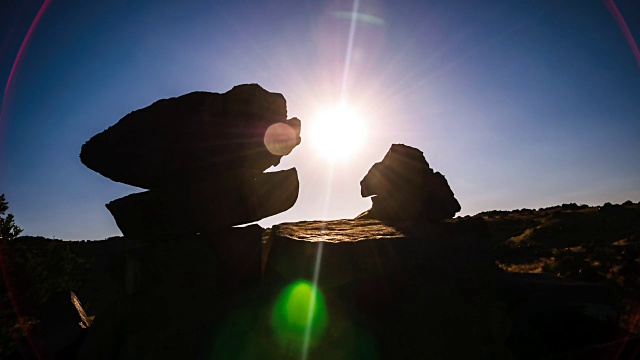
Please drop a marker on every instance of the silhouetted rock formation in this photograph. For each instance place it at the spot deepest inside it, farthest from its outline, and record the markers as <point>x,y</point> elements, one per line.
<point>401,281</point>
<point>407,189</point>
<point>202,155</point>
<point>180,140</point>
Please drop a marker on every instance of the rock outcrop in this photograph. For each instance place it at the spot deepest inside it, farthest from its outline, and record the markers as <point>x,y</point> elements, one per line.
<point>176,297</point>
<point>406,189</point>
<point>403,280</point>
<point>413,295</point>
<point>198,135</point>
<point>202,155</point>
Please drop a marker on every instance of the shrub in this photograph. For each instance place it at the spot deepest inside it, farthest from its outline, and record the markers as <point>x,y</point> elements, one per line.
<point>8,229</point>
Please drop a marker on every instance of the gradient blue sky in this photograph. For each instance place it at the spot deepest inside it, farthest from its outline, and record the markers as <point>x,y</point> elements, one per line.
<point>518,103</point>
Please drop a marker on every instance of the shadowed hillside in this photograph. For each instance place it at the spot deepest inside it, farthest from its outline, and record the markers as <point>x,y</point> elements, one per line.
<point>578,242</point>
<point>573,241</point>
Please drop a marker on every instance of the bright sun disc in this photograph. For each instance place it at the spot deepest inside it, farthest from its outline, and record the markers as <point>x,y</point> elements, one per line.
<point>338,133</point>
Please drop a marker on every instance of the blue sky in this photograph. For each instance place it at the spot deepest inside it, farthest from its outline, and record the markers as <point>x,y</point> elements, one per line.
<point>518,103</point>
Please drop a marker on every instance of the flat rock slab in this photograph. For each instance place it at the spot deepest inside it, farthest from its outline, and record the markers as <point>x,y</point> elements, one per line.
<point>338,231</point>
<point>408,288</point>
<point>347,250</point>
<point>205,207</point>
<point>353,249</point>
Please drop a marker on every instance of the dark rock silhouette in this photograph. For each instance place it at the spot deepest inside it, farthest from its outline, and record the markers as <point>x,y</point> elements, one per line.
<point>202,155</point>
<point>205,207</point>
<point>180,140</point>
<point>175,296</point>
<point>406,189</point>
<point>396,286</point>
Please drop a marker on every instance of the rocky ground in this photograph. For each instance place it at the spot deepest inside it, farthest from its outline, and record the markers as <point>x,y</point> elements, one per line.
<point>597,245</point>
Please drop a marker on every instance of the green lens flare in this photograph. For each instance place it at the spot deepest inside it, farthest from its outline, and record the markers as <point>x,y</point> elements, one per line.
<point>299,317</point>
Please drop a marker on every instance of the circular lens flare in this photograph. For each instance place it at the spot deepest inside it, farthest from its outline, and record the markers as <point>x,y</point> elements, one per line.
<point>337,133</point>
<point>300,311</point>
<point>280,139</point>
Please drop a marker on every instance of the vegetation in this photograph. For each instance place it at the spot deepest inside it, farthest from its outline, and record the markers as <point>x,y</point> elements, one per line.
<point>36,270</point>
<point>8,229</point>
<point>11,328</point>
<point>33,269</point>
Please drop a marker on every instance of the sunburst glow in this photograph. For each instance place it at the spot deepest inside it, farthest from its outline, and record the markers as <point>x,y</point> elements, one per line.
<point>338,133</point>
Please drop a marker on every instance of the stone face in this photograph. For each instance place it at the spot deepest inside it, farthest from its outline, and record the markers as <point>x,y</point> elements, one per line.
<point>354,249</point>
<point>416,292</point>
<point>239,197</point>
<point>178,140</point>
<point>184,292</point>
<point>407,189</point>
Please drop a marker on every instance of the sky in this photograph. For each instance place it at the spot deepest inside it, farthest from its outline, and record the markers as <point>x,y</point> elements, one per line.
<point>520,104</point>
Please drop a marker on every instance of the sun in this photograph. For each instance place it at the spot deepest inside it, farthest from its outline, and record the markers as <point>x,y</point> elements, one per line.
<point>338,132</point>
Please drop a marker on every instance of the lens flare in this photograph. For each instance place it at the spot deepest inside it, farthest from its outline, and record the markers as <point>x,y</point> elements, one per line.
<point>300,311</point>
<point>280,139</point>
<point>366,18</point>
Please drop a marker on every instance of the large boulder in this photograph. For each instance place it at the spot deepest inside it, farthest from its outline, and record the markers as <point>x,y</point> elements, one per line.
<point>179,140</point>
<point>183,294</point>
<point>406,189</point>
<point>235,198</point>
<point>202,155</point>
<point>412,294</point>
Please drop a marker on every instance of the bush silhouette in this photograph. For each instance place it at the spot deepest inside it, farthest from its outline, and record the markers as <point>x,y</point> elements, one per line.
<point>8,229</point>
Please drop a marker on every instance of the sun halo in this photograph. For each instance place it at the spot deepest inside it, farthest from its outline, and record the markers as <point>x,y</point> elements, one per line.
<point>338,132</point>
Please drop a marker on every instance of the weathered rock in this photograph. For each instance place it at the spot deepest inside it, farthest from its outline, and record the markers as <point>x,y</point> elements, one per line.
<point>185,291</point>
<point>417,293</point>
<point>407,189</point>
<point>363,248</point>
<point>238,197</point>
<point>179,140</point>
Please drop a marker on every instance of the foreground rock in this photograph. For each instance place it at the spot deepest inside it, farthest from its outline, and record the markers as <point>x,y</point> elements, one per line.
<point>177,296</point>
<point>180,140</point>
<point>407,189</point>
<point>415,294</point>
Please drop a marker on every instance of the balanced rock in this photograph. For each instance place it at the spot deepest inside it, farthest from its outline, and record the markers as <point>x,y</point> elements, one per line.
<point>180,140</point>
<point>406,189</point>
<point>202,155</point>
